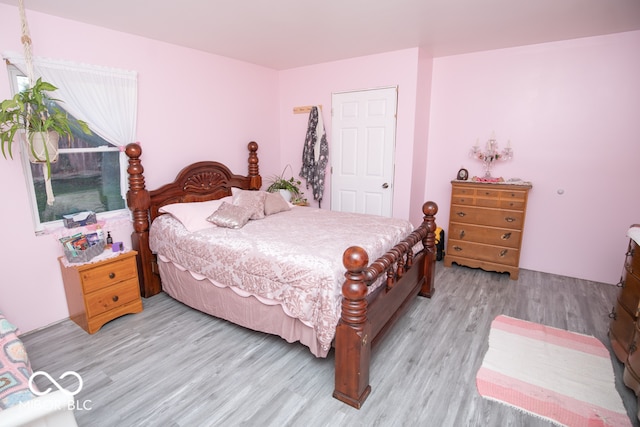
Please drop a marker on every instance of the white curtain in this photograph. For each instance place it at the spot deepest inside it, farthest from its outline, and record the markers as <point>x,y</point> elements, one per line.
<point>105,98</point>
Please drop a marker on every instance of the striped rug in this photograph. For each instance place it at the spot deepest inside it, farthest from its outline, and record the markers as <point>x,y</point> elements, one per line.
<point>560,376</point>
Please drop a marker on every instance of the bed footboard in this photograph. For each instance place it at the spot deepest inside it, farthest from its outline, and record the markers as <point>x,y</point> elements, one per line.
<point>363,322</point>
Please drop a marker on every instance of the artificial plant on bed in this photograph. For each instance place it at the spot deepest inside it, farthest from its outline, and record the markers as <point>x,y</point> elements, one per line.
<point>289,188</point>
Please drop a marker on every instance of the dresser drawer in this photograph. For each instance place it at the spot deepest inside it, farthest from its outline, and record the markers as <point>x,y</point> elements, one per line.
<point>490,193</point>
<point>632,262</point>
<point>478,251</point>
<point>492,217</point>
<point>463,200</point>
<point>486,235</point>
<point>621,331</point>
<point>106,275</point>
<point>112,297</point>
<point>629,295</point>
<point>512,204</point>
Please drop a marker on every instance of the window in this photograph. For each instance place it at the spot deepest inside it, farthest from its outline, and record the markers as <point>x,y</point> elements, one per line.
<point>87,175</point>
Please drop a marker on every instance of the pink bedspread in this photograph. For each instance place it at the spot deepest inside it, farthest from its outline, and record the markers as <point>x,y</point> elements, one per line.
<point>293,258</point>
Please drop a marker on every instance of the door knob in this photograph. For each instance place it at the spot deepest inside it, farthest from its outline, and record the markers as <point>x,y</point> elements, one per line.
<point>385,185</point>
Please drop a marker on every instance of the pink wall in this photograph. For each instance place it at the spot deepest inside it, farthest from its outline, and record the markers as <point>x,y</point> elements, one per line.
<point>192,106</point>
<point>314,85</point>
<point>571,110</point>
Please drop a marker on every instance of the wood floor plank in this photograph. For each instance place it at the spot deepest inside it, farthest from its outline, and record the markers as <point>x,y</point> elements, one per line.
<point>173,366</point>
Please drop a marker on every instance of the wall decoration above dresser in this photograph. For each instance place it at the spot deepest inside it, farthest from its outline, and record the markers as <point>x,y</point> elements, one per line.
<point>486,224</point>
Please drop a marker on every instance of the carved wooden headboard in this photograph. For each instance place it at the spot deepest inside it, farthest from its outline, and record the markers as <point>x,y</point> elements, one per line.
<point>198,182</point>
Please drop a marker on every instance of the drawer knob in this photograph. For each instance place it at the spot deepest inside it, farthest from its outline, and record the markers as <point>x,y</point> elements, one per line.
<point>620,284</point>
<point>503,252</point>
<point>115,298</point>
<point>462,233</point>
<point>612,315</point>
<point>457,248</point>
<point>510,219</point>
<point>506,236</point>
<point>112,275</point>
<point>461,214</point>
<point>632,347</point>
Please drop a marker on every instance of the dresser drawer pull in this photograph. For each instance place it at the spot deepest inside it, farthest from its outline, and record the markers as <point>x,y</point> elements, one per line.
<point>632,347</point>
<point>115,298</point>
<point>509,219</point>
<point>506,236</point>
<point>112,275</point>
<point>612,315</point>
<point>461,214</point>
<point>462,233</point>
<point>503,253</point>
<point>457,248</point>
<point>620,284</point>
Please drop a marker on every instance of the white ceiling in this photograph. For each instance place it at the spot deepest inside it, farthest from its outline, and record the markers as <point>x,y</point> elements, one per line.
<point>282,34</point>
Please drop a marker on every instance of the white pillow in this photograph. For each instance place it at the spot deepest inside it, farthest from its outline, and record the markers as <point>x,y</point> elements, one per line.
<point>194,215</point>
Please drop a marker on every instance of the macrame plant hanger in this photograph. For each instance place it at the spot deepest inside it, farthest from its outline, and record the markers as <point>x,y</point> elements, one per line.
<point>26,45</point>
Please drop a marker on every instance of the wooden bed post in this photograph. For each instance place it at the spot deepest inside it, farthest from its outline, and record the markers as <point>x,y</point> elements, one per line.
<point>254,171</point>
<point>430,209</point>
<point>139,201</point>
<point>353,333</point>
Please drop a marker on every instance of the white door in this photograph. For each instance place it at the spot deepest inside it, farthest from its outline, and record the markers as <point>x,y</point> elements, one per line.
<point>363,133</point>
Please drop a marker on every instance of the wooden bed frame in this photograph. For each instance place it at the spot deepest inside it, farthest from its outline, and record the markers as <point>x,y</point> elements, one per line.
<point>364,319</point>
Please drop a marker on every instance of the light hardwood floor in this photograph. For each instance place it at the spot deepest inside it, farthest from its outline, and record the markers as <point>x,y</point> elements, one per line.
<point>173,366</point>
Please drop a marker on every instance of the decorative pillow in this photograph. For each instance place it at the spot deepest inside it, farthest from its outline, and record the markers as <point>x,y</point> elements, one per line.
<point>274,203</point>
<point>230,216</point>
<point>253,200</point>
<point>194,215</point>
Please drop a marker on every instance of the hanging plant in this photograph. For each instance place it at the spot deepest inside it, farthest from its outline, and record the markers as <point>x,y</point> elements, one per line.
<point>34,112</point>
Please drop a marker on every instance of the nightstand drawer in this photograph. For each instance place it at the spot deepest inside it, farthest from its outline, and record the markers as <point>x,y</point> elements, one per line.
<point>109,273</point>
<point>112,297</point>
<point>486,235</point>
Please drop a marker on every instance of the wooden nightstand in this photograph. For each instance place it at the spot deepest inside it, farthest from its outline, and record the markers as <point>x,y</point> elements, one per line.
<point>101,291</point>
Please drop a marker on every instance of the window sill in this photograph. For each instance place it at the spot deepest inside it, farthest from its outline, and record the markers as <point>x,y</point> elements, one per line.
<point>105,220</point>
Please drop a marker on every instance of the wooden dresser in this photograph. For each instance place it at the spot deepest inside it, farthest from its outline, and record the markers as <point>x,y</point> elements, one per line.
<point>101,291</point>
<point>624,329</point>
<point>486,223</point>
<point>624,315</point>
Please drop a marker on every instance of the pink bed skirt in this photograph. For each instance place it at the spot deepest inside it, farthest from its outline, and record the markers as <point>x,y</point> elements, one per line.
<point>224,303</point>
